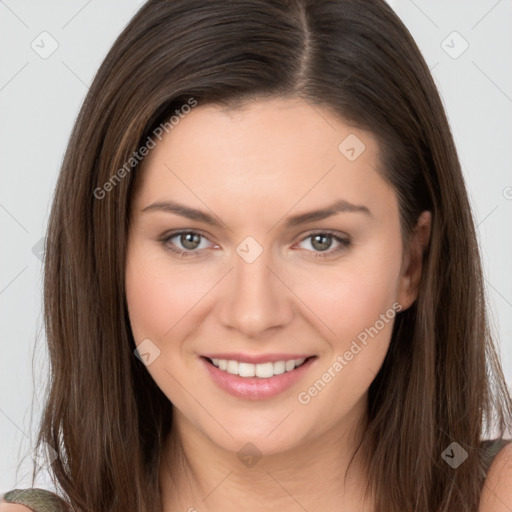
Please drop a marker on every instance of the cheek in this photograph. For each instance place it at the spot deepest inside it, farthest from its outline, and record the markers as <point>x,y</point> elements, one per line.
<point>361,309</point>
<point>350,297</point>
<point>158,295</point>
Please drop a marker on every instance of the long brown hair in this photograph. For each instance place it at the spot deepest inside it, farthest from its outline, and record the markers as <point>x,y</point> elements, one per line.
<point>441,381</point>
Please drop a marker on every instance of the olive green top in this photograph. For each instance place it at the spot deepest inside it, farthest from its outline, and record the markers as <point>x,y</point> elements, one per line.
<point>37,500</point>
<point>490,449</point>
<point>41,500</point>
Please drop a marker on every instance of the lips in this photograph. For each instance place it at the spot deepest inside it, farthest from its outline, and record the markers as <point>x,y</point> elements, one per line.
<point>256,359</point>
<point>257,379</point>
<point>262,370</point>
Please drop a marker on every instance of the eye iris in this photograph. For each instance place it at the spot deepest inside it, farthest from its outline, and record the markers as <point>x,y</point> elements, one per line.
<point>190,240</point>
<point>324,242</point>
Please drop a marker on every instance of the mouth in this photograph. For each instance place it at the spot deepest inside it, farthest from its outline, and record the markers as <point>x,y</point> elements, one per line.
<point>260,379</point>
<point>264,370</point>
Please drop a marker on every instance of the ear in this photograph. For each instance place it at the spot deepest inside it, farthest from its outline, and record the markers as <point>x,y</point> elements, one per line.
<point>412,264</point>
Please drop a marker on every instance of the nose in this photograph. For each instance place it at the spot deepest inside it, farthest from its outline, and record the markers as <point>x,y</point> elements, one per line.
<point>255,299</point>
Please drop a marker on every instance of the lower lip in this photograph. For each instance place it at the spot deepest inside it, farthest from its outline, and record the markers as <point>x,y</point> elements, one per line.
<point>256,388</point>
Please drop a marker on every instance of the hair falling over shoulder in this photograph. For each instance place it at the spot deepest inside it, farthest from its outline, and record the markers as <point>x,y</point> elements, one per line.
<point>441,381</point>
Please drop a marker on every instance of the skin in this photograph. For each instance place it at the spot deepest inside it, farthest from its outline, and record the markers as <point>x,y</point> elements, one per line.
<point>252,169</point>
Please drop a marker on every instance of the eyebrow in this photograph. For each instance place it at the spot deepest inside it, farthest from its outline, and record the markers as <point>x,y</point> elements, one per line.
<point>339,206</point>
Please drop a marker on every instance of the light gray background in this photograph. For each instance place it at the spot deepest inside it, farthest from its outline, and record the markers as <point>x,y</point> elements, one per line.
<point>40,98</point>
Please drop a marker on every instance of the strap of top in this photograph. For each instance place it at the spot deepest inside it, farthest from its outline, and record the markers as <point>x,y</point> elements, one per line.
<point>37,500</point>
<point>491,448</point>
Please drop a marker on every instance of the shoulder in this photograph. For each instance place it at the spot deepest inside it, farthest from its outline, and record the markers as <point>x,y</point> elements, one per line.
<point>497,490</point>
<point>32,499</point>
<point>12,507</point>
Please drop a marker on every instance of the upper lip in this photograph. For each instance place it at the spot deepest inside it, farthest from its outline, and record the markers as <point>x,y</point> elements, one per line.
<point>257,358</point>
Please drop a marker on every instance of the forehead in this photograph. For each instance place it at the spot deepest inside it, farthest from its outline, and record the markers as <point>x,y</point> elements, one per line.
<point>280,150</point>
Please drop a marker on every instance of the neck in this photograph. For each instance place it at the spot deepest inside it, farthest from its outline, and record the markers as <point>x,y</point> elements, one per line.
<point>325,473</point>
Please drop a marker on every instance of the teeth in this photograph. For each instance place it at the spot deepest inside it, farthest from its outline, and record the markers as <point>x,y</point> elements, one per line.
<point>279,367</point>
<point>262,370</point>
<point>245,370</point>
<point>232,367</point>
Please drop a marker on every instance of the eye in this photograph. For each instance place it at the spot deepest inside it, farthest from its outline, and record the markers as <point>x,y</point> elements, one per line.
<point>322,241</point>
<point>190,241</point>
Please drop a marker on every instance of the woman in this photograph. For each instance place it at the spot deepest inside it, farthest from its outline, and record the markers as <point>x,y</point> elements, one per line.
<point>263,287</point>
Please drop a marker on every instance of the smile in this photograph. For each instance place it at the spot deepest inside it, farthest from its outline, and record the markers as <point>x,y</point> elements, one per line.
<point>262,370</point>
<point>256,380</point>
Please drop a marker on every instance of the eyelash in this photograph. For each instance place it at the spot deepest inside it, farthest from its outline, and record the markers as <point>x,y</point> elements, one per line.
<point>344,244</point>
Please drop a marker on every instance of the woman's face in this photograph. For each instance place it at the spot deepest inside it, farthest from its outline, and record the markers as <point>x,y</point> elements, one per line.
<point>259,278</point>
